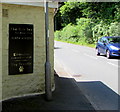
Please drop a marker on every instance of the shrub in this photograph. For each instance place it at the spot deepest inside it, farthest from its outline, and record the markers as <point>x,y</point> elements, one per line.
<point>114,29</point>
<point>100,30</point>
<point>57,35</point>
<point>85,29</point>
<point>69,31</point>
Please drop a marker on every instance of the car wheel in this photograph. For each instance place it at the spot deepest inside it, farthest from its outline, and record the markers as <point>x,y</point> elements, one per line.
<point>97,52</point>
<point>108,54</point>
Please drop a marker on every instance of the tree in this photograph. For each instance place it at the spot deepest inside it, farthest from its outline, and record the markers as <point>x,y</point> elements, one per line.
<point>101,11</point>
<point>97,11</point>
<point>69,12</point>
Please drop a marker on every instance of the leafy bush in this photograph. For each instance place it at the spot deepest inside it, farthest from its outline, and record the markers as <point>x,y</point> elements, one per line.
<point>69,32</point>
<point>77,32</point>
<point>100,30</point>
<point>85,31</point>
<point>57,35</point>
<point>114,29</point>
<point>85,22</point>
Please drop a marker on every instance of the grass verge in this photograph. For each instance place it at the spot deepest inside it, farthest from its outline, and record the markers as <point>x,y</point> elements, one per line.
<point>77,43</point>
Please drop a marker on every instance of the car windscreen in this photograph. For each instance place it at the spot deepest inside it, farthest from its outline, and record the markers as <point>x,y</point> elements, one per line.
<point>114,40</point>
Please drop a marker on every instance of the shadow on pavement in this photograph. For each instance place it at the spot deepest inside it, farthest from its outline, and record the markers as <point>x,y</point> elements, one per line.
<point>57,48</point>
<point>67,96</point>
<point>101,96</point>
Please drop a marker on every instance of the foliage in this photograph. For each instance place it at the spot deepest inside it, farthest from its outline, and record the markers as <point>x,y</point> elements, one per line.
<point>67,32</point>
<point>114,29</point>
<point>100,30</point>
<point>84,25</point>
<point>57,35</point>
<point>97,11</point>
<point>87,31</point>
<point>68,10</point>
<point>117,13</point>
<point>77,32</point>
<point>105,11</point>
<point>85,22</point>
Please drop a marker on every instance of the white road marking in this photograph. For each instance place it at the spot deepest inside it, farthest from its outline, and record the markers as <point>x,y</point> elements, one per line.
<point>113,64</point>
<point>90,56</point>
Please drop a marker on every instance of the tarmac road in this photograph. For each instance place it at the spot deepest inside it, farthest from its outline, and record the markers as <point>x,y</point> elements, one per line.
<point>94,73</point>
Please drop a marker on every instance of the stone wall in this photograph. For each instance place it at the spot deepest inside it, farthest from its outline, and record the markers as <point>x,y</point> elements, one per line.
<point>17,85</point>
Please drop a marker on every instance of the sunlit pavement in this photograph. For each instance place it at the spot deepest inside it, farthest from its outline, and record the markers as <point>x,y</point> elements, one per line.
<point>96,76</point>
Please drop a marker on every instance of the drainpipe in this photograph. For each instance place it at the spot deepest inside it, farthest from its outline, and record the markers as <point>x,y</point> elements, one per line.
<point>48,91</point>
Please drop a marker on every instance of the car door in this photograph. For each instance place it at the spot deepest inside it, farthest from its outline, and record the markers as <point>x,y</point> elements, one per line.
<point>104,45</point>
<point>101,45</point>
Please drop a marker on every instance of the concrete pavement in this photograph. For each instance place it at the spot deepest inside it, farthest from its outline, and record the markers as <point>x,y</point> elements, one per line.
<point>100,95</point>
<point>67,96</point>
<point>82,63</point>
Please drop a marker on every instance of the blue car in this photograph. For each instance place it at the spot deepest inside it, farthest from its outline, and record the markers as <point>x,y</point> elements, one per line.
<point>109,46</point>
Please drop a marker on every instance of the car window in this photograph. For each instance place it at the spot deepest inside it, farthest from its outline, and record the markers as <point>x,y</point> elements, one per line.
<point>114,40</point>
<point>101,40</point>
<point>105,40</point>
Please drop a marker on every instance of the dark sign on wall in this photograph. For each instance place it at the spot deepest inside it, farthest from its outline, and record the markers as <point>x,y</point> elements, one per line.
<point>20,49</point>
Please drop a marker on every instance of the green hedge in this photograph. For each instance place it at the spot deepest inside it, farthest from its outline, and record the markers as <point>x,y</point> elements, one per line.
<point>86,31</point>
